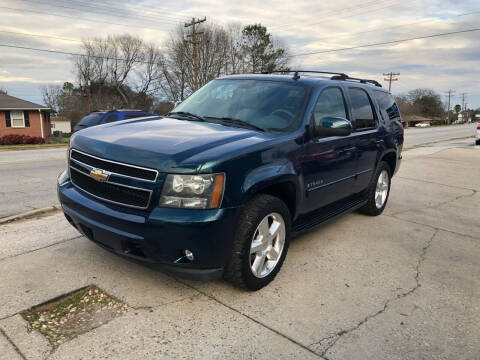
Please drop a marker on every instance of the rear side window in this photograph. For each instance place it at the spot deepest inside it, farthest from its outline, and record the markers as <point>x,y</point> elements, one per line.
<point>132,116</point>
<point>330,103</point>
<point>363,113</point>
<point>91,119</point>
<point>388,107</point>
<point>111,118</point>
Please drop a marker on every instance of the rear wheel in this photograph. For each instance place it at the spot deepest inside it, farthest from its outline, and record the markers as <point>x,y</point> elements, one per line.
<point>378,191</point>
<point>260,244</point>
<point>477,142</point>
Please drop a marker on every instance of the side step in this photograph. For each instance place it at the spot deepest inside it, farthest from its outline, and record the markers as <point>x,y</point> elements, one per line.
<point>312,220</point>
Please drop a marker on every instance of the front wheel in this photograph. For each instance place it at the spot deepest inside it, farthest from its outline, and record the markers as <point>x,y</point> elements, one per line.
<point>260,244</point>
<point>378,191</point>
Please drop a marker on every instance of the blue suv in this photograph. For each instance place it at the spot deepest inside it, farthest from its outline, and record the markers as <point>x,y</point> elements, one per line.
<point>100,117</point>
<point>220,185</point>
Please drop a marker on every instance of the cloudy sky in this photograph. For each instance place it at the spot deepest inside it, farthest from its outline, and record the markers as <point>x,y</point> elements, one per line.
<point>440,63</point>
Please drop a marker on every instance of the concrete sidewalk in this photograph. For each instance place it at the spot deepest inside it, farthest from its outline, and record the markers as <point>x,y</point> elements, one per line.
<point>404,285</point>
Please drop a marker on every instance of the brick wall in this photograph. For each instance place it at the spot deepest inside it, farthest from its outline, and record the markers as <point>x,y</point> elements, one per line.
<point>33,130</point>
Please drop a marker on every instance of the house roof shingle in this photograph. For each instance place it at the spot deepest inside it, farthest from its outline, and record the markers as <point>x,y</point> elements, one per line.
<point>8,102</point>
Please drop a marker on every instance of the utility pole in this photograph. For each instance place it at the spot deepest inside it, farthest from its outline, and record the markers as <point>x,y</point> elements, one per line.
<point>449,92</point>
<point>463,101</point>
<point>193,40</point>
<point>390,79</point>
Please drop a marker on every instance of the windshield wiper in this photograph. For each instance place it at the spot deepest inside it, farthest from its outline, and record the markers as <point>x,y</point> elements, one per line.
<point>238,122</point>
<point>186,114</point>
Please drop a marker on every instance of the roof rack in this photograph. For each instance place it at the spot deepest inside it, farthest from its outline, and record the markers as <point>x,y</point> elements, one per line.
<point>336,76</point>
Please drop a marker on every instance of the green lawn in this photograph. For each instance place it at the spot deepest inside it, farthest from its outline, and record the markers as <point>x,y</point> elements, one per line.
<point>33,146</point>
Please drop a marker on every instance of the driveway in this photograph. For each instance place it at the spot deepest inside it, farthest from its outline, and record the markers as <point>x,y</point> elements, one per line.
<point>403,285</point>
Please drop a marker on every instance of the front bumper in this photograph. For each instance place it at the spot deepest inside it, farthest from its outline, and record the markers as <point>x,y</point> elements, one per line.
<point>157,238</point>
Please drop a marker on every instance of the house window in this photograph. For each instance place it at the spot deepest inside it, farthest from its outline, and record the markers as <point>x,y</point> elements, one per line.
<point>17,118</point>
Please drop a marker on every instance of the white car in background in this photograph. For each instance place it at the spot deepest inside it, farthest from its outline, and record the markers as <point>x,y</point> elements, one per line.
<point>422,125</point>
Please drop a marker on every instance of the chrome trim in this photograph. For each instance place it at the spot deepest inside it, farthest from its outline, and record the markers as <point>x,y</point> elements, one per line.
<point>116,162</point>
<point>113,183</point>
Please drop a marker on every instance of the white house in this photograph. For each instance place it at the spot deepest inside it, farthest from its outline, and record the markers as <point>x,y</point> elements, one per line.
<point>61,124</point>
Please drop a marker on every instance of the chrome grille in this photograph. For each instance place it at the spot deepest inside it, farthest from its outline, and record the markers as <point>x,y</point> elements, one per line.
<point>112,191</point>
<point>114,167</point>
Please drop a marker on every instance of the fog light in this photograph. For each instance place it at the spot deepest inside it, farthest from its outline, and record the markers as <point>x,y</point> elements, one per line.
<point>188,255</point>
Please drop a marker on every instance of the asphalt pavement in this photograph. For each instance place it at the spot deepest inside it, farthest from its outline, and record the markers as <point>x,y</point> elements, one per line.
<point>28,178</point>
<point>404,285</point>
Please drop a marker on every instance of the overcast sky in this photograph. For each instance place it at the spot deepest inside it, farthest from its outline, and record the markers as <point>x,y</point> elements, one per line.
<point>304,25</point>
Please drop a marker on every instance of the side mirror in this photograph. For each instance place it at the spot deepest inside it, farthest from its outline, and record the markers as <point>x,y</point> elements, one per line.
<point>332,126</point>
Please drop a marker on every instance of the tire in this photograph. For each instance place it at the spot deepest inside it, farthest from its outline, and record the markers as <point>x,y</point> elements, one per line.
<point>239,269</point>
<point>373,208</point>
<point>477,142</point>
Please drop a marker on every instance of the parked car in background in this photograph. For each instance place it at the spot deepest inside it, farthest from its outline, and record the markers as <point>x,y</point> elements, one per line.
<point>422,125</point>
<point>220,184</point>
<point>108,116</point>
<point>477,136</point>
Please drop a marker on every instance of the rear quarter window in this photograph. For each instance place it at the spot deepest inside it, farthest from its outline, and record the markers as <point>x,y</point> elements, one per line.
<point>388,107</point>
<point>362,109</point>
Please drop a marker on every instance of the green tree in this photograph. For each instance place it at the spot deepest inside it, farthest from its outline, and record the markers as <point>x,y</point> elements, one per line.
<point>260,51</point>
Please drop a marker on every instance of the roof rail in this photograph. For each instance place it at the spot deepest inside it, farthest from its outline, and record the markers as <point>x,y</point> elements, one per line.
<point>336,76</point>
<point>297,76</point>
<point>363,81</point>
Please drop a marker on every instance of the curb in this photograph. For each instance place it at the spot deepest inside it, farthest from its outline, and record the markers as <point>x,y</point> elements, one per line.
<point>30,214</point>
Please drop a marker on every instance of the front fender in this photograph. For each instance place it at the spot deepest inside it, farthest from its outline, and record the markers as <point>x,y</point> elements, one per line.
<point>267,175</point>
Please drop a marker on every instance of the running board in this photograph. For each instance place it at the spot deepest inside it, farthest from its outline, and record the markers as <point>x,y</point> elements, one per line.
<point>318,217</point>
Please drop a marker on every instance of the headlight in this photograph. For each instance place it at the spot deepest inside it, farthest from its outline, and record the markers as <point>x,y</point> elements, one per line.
<point>63,178</point>
<point>193,191</point>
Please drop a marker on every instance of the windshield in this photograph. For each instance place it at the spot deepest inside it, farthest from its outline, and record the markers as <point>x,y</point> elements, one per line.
<point>91,119</point>
<point>271,105</point>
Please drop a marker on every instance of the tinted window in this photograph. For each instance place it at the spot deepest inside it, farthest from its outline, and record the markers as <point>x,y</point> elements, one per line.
<point>388,107</point>
<point>111,118</point>
<point>91,119</point>
<point>329,104</point>
<point>362,109</point>
<point>132,116</point>
<point>268,104</point>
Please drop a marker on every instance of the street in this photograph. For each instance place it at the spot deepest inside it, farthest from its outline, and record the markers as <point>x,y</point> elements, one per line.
<point>419,136</point>
<point>31,180</point>
<point>403,285</point>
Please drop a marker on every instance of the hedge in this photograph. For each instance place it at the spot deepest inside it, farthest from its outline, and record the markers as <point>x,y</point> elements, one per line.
<point>21,139</point>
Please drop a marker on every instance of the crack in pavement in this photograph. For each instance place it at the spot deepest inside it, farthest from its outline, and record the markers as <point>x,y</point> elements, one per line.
<point>435,183</point>
<point>437,205</point>
<point>40,248</point>
<point>306,348</point>
<point>17,350</point>
<point>334,338</point>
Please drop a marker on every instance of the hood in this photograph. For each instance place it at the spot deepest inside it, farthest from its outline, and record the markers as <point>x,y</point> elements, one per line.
<point>165,144</point>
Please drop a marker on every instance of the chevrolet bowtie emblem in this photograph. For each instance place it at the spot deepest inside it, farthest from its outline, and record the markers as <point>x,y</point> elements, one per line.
<point>99,175</point>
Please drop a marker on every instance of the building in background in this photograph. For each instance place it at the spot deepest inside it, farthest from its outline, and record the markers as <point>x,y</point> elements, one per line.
<point>21,117</point>
<point>61,124</point>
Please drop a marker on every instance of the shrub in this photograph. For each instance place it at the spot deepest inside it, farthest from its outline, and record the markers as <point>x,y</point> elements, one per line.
<point>21,139</point>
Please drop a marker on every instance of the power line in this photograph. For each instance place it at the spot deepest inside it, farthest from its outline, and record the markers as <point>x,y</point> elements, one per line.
<point>332,11</point>
<point>40,36</point>
<point>72,17</point>
<point>347,34</point>
<point>104,11</point>
<point>335,18</point>
<point>73,54</point>
<point>387,42</point>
